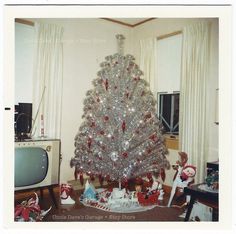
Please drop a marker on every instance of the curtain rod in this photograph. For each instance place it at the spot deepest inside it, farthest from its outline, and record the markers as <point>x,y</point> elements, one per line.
<point>168,35</point>
<point>23,21</point>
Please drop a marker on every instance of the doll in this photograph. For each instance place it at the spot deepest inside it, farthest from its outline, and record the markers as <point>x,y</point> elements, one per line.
<point>184,175</point>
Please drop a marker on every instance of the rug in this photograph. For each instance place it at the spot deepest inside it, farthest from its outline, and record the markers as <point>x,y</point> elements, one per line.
<point>80,213</point>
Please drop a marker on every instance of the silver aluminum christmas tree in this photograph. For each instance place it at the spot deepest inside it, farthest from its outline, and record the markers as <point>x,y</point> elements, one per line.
<point>120,137</point>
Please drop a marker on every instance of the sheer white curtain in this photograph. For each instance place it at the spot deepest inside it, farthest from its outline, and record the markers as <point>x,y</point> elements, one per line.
<point>148,60</point>
<point>47,91</point>
<point>193,114</point>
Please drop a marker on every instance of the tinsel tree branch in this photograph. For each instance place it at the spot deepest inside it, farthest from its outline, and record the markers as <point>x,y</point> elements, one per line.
<point>121,136</point>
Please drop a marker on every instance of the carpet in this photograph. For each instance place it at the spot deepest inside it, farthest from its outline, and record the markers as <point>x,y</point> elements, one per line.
<point>80,213</point>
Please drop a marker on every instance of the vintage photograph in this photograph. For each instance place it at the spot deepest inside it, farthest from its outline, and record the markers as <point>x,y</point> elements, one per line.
<point>116,119</point>
<point>117,115</point>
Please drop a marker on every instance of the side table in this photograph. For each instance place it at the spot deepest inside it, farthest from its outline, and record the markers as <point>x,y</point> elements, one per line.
<point>208,198</point>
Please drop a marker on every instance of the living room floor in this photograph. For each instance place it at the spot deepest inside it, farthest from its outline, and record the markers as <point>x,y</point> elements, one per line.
<point>80,213</point>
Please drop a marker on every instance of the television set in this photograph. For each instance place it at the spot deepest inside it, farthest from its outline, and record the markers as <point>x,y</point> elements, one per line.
<point>36,164</point>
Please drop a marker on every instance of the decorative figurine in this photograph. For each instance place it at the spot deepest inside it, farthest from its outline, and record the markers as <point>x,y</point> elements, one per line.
<point>184,176</point>
<point>65,196</point>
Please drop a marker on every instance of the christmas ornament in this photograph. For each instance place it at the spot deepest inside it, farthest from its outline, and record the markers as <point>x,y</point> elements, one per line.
<point>121,136</point>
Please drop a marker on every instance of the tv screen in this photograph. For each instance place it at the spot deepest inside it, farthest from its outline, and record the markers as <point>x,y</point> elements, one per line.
<point>31,165</point>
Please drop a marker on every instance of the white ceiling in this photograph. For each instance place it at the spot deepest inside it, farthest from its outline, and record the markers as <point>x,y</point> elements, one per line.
<point>131,21</point>
<point>128,21</point>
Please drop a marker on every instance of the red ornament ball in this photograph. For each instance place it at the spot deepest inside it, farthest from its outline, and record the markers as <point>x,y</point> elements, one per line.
<point>106,118</point>
<point>92,124</point>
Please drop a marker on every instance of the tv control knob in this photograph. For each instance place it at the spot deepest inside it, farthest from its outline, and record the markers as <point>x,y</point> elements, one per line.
<point>48,148</point>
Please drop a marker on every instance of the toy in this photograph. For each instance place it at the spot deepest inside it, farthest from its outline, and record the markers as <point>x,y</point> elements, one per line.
<point>160,197</point>
<point>147,199</point>
<point>122,200</point>
<point>153,194</point>
<point>183,158</point>
<point>184,176</point>
<point>65,196</point>
<point>89,191</point>
<point>138,188</point>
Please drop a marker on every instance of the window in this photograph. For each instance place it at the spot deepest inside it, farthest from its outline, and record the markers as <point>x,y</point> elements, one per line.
<point>169,112</point>
<point>169,55</point>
